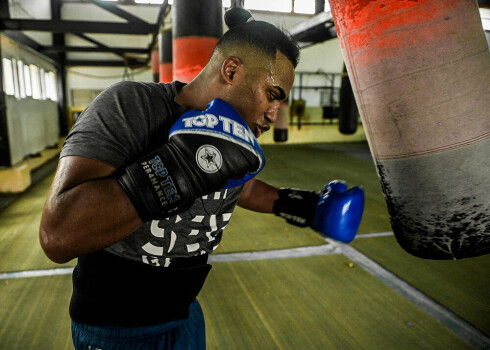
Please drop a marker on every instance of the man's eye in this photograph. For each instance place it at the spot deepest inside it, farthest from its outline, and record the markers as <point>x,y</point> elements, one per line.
<point>273,96</point>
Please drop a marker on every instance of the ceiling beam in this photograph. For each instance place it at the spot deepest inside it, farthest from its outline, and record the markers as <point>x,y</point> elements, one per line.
<point>23,39</point>
<point>314,30</point>
<point>164,8</point>
<point>112,8</point>
<point>98,44</point>
<point>132,63</point>
<point>116,50</point>
<point>316,20</point>
<point>65,26</point>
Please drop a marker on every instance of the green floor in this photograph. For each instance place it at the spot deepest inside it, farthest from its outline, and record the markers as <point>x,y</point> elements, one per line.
<point>461,286</point>
<point>312,303</point>
<point>317,302</point>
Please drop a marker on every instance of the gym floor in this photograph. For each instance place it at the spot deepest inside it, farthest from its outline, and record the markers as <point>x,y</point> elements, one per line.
<point>276,286</point>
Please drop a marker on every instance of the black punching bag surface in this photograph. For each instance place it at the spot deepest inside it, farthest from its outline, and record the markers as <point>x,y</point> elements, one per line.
<point>165,56</point>
<point>348,112</point>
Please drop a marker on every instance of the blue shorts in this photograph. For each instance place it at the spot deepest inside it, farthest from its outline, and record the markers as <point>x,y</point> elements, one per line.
<point>186,334</point>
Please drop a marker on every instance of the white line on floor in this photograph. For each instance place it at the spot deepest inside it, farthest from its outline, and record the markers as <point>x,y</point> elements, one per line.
<point>324,249</point>
<point>36,273</point>
<point>371,235</point>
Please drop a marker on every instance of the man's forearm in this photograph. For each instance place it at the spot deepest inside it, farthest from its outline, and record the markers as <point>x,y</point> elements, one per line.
<point>258,196</point>
<point>88,217</point>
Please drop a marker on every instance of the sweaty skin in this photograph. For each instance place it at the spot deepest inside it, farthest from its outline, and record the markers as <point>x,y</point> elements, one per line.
<point>263,89</point>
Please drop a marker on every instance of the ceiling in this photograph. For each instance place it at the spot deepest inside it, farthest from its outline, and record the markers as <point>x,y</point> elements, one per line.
<point>62,31</point>
<point>122,22</point>
<point>21,29</point>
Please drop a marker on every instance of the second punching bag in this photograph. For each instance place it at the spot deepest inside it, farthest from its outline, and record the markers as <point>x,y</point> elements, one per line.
<point>196,25</point>
<point>165,59</point>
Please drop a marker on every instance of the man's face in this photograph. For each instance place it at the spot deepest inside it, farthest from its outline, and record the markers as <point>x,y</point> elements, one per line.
<point>258,96</point>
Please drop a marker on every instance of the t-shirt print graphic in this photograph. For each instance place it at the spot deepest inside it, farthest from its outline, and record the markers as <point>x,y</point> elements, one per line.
<point>191,233</point>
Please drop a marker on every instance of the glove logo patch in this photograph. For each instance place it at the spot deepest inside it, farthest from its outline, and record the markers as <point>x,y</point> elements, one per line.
<point>209,159</point>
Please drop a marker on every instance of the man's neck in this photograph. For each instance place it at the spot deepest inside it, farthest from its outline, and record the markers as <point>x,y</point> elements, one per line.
<point>197,94</point>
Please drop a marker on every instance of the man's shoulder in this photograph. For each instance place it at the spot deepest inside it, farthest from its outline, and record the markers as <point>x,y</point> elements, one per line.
<point>141,85</point>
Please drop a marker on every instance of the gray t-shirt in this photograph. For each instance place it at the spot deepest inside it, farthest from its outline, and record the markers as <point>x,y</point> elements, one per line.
<point>123,123</point>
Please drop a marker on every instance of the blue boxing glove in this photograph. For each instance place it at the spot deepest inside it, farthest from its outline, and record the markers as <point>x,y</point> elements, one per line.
<point>206,151</point>
<point>339,211</point>
<point>336,212</point>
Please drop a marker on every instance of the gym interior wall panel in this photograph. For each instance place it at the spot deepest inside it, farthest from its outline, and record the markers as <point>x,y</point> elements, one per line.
<point>15,136</point>
<point>98,78</point>
<point>32,124</point>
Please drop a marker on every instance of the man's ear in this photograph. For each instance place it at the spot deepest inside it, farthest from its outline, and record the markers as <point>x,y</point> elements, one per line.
<point>229,69</point>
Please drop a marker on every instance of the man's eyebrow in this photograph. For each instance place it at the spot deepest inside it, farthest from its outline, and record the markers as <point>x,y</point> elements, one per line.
<point>282,94</point>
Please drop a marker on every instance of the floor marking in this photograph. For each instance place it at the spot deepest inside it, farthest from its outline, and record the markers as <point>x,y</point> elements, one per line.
<point>324,249</point>
<point>455,323</point>
<point>378,234</point>
<point>36,273</point>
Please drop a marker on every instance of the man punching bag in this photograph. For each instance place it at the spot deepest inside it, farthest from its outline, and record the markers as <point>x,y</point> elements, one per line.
<point>420,72</point>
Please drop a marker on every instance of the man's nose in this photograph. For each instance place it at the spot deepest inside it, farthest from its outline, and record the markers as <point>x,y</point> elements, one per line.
<point>271,114</point>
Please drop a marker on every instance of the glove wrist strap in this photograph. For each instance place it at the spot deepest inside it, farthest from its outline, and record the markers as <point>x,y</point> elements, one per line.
<point>296,206</point>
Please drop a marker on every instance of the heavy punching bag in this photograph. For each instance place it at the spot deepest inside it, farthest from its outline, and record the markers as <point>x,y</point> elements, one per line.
<point>196,25</point>
<point>420,72</point>
<point>348,112</point>
<point>165,57</point>
<point>155,66</point>
<point>282,122</point>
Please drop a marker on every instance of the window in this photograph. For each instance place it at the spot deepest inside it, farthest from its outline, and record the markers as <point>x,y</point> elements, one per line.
<point>284,6</point>
<point>43,84</point>
<point>36,82</point>
<point>22,88</point>
<point>308,6</point>
<point>157,2</point>
<point>16,78</point>
<point>271,5</point>
<point>8,77</point>
<point>50,79</point>
<point>305,6</point>
<point>27,80</point>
